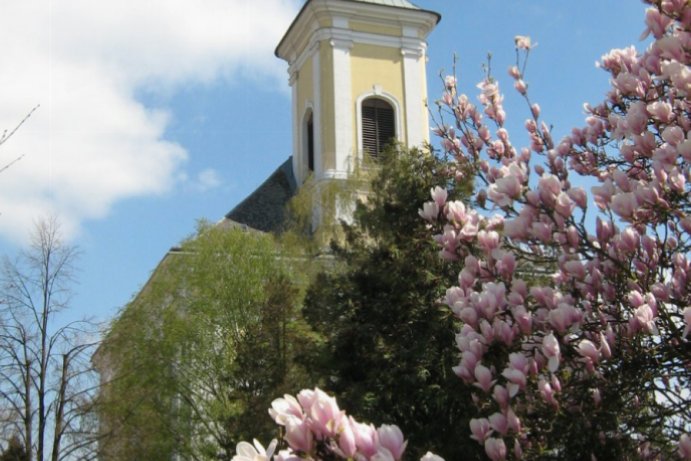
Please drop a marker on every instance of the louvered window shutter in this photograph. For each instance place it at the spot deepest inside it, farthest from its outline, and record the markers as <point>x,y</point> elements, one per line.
<point>378,125</point>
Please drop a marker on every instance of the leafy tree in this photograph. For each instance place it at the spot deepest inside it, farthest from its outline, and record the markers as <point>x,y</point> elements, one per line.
<point>388,343</point>
<point>204,346</point>
<point>46,379</point>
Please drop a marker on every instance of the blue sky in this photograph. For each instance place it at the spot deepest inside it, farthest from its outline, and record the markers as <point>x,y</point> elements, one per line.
<point>157,113</point>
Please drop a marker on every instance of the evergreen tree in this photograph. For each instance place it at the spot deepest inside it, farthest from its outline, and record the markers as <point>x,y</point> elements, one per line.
<point>388,351</point>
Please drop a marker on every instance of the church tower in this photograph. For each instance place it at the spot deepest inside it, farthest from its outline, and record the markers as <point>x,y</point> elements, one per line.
<point>358,78</point>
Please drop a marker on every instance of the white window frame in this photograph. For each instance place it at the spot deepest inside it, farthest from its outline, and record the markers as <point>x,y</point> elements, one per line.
<point>384,96</point>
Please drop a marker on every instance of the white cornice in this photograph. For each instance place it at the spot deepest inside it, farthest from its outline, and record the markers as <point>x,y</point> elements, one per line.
<point>301,33</point>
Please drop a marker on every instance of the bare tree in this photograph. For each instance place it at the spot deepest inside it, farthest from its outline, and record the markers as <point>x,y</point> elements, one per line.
<point>6,135</point>
<point>46,380</point>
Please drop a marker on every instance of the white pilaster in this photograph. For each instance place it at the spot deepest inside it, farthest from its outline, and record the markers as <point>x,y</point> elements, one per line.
<point>343,106</point>
<point>297,145</point>
<point>414,95</point>
<point>317,112</point>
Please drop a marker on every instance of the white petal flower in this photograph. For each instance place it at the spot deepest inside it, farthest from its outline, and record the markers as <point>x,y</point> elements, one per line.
<point>246,452</point>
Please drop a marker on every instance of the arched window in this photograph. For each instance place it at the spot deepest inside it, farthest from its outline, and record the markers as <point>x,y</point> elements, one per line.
<point>378,125</point>
<point>309,141</point>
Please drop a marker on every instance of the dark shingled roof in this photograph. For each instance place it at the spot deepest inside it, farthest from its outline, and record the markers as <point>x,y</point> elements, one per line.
<point>264,209</point>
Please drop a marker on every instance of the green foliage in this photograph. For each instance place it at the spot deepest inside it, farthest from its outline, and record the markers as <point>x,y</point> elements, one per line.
<point>389,345</point>
<point>200,353</point>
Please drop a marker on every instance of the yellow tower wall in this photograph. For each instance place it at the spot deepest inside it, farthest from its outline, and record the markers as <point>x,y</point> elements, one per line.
<point>378,29</point>
<point>378,65</point>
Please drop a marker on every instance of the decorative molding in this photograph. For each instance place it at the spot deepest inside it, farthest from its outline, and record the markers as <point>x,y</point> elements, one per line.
<point>340,22</point>
<point>413,52</point>
<point>345,44</point>
<point>410,31</point>
<point>292,77</point>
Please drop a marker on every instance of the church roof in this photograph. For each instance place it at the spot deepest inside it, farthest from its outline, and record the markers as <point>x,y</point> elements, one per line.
<point>264,209</point>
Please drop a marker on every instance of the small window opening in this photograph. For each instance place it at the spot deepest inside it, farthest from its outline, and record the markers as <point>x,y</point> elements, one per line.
<point>310,143</point>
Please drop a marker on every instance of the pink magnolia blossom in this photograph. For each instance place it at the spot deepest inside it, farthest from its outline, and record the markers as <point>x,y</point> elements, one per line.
<point>247,452</point>
<point>547,392</point>
<point>499,423</point>
<point>286,455</point>
<point>550,348</point>
<point>656,23</point>
<point>484,377</point>
<point>298,434</point>
<point>382,454</point>
<point>439,196</point>
<point>325,416</point>
<point>429,456</point>
<point>429,211</point>
<point>588,350</point>
<point>480,429</point>
<point>501,396</point>
<point>366,437</point>
<point>285,407</point>
<point>685,447</point>
<point>346,439</point>
<point>625,205</point>
<point>391,438</point>
<point>522,42</point>
<point>495,449</point>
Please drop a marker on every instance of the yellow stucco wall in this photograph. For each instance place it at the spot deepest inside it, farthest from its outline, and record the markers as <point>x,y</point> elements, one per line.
<point>377,65</point>
<point>370,28</point>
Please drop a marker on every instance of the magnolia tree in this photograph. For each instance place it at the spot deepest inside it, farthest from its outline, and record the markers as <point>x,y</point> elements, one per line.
<point>576,323</point>
<point>577,338</point>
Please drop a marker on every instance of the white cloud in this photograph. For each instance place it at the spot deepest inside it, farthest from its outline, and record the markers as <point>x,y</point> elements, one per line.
<point>204,181</point>
<point>91,143</point>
